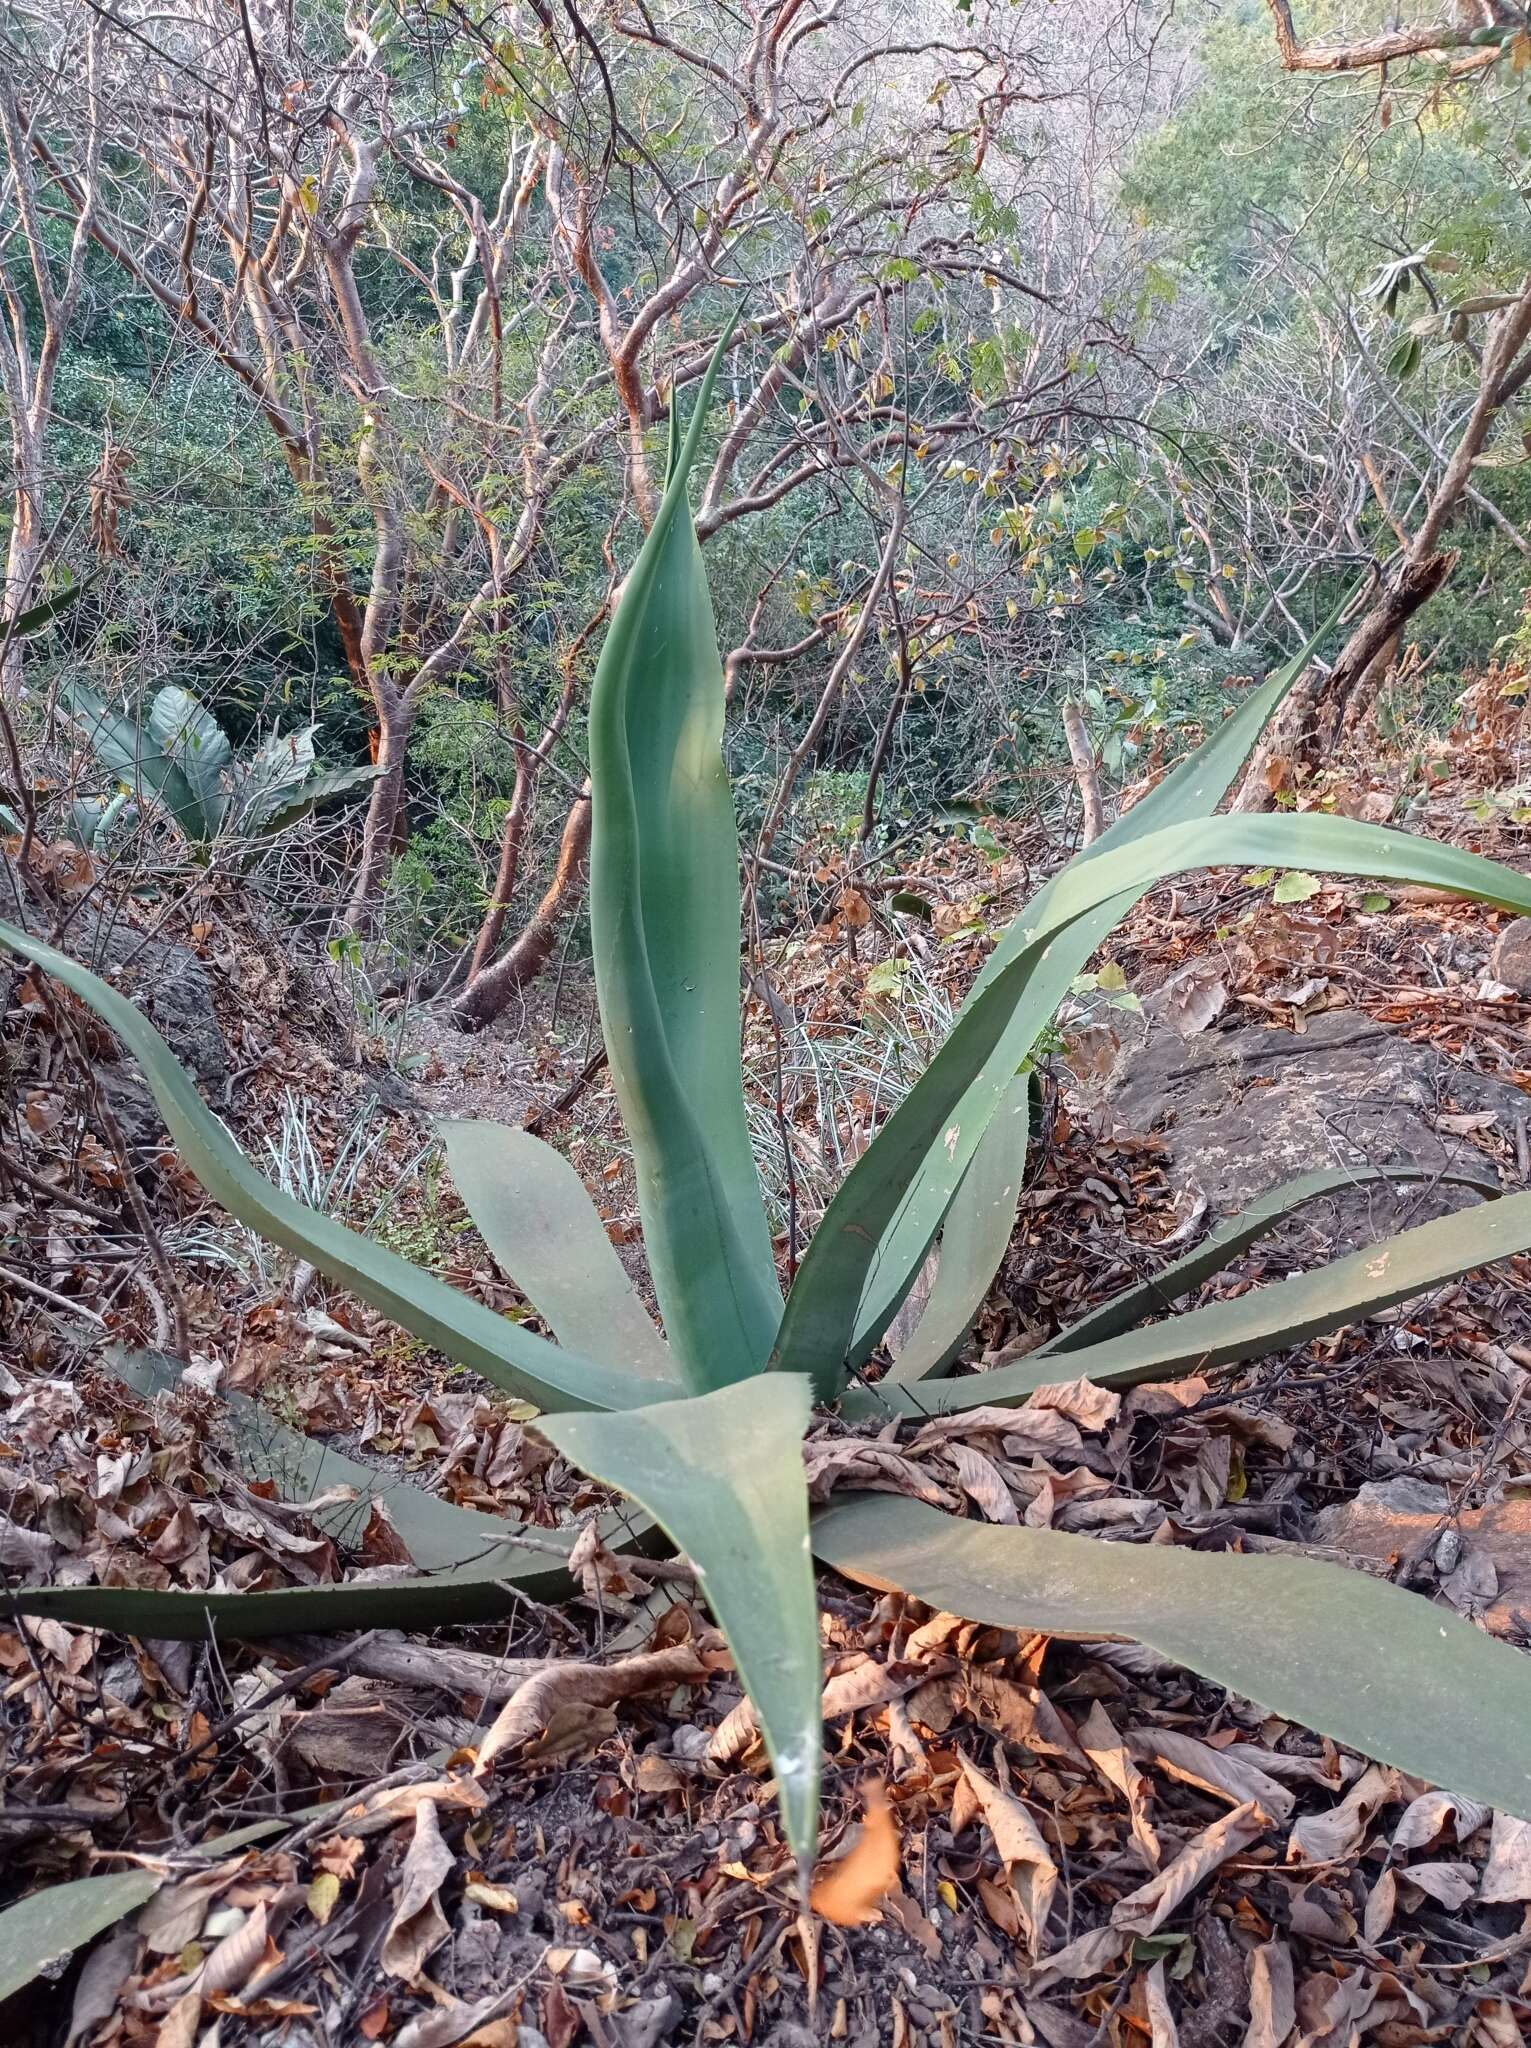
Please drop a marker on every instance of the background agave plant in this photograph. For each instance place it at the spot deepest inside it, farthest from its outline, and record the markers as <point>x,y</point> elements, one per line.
<point>183,760</point>
<point>702,1426</point>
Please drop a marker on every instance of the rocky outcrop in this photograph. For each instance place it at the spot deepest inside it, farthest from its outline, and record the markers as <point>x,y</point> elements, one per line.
<point>1242,1110</point>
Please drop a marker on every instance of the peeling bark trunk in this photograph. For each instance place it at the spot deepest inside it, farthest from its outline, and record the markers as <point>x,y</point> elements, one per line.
<point>1084,771</point>
<point>485,997</point>
<point>511,844</point>
<point>1315,713</point>
<point>385,816</point>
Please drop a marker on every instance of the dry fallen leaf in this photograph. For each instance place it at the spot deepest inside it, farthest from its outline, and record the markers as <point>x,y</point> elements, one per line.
<point>1190,999</point>
<point>1326,1837</point>
<point>981,1480</point>
<point>1272,2003</point>
<point>1146,1909</point>
<point>1107,1751</point>
<point>1163,2033</point>
<point>1027,1859</point>
<point>849,1889</point>
<point>173,1917</point>
<point>419,1927</point>
<point>1224,1772</point>
<point>1450,1884</point>
<point>1093,1407</point>
<point>1507,1874</point>
<point>1424,1819</point>
<point>532,1706</point>
<point>178,2029</point>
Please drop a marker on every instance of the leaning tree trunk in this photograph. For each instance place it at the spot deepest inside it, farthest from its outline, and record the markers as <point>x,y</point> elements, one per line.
<point>1315,713</point>
<point>1380,628</point>
<point>485,997</point>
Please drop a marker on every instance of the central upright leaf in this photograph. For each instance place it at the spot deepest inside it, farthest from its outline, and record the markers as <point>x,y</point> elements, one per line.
<point>665,929</point>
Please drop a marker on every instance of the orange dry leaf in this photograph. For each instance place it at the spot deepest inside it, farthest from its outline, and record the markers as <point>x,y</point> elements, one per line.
<point>849,1890</point>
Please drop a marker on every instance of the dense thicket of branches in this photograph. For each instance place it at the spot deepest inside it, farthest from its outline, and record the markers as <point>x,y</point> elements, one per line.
<point>1082,352</point>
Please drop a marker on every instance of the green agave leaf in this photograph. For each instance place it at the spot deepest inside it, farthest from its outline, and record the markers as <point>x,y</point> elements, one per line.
<point>323,784</point>
<point>534,1213</point>
<point>26,623</point>
<point>979,1226</point>
<point>276,775</point>
<point>452,1598</point>
<point>665,926</point>
<point>46,1926</point>
<point>817,1328</point>
<point>187,733</point>
<point>129,755</point>
<point>1191,791</point>
<point>723,1476</point>
<point>472,1567</point>
<point>464,1329</point>
<point>885,1275</point>
<point>439,1535</point>
<point>1224,1244</point>
<point>1381,1670</point>
<point>1267,1319</point>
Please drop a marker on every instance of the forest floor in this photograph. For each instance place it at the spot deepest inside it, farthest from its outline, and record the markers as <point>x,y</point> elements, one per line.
<point>1092,1847</point>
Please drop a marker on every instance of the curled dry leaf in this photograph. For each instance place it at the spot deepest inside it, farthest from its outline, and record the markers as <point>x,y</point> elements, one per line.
<point>1094,1408</point>
<point>1226,1773</point>
<point>1088,1955</point>
<point>1146,1909</point>
<point>1327,1837</point>
<point>1450,1884</point>
<point>1021,1713</point>
<point>399,1802</point>
<point>581,1968</point>
<point>419,1927</point>
<point>849,1890</point>
<point>532,1706</point>
<point>174,1916</point>
<point>1272,1998</point>
<point>1108,1752</point>
<point>1027,1859</point>
<point>983,1483</point>
<point>1380,1908</point>
<point>178,2029</point>
<point>1507,1874</point>
<point>865,1684</point>
<point>870,1468</point>
<point>1190,999</point>
<point>1163,2033</point>
<point>229,1966</point>
<point>1426,1818</point>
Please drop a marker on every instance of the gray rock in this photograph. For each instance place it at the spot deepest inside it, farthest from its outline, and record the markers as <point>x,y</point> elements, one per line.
<point>1510,961</point>
<point>168,983</point>
<point>171,987</point>
<point>1243,1110</point>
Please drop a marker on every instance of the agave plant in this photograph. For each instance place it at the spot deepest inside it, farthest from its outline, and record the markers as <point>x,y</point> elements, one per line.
<point>184,761</point>
<point>701,1426</point>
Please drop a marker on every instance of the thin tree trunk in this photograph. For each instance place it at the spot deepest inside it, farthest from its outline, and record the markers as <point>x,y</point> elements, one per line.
<point>485,997</point>
<point>385,815</point>
<point>1085,774</point>
<point>512,841</point>
<point>1315,715</point>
